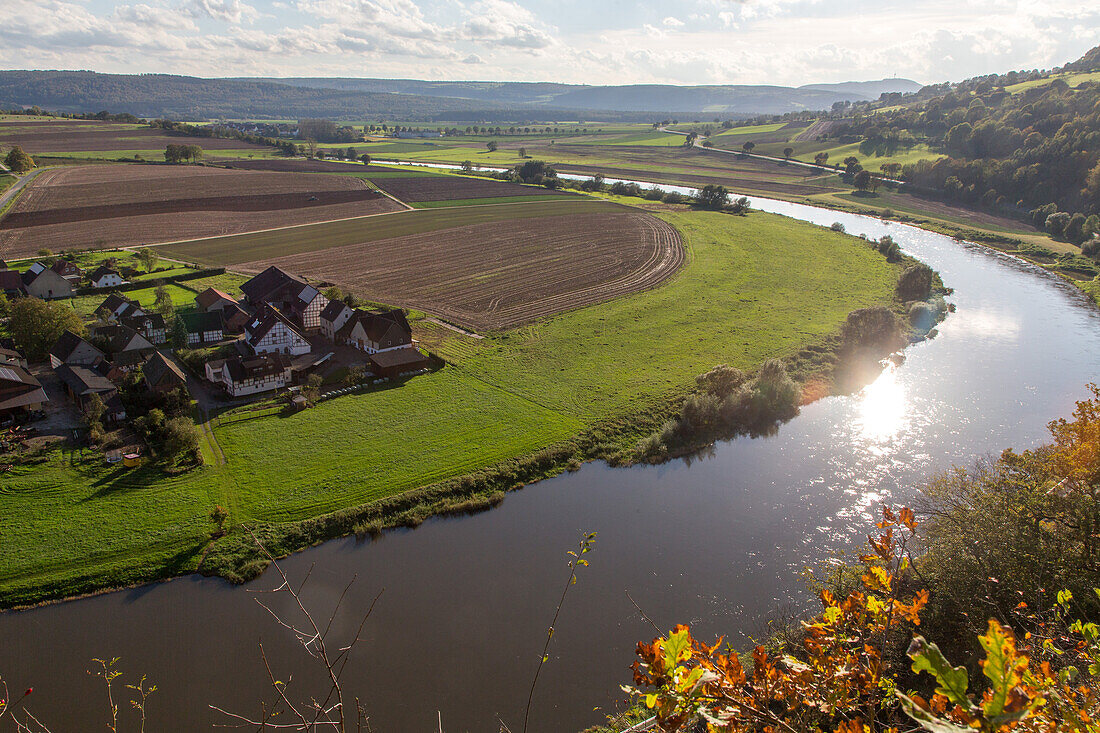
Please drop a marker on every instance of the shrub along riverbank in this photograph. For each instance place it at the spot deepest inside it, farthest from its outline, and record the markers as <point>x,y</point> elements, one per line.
<point>508,409</point>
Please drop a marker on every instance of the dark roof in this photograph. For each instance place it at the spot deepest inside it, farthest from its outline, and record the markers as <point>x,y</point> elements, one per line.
<point>83,381</point>
<point>121,338</point>
<point>101,271</point>
<point>246,367</point>
<point>264,285</point>
<point>158,368</point>
<point>376,323</point>
<point>8,355</point>
<point>115,301</point>
<point>64,267</point>
<point>397,358</point>
<point>18,375</point>
<point>11,281</point>
<point>332,310</point>
<point>210,296</point>
<point>234,313</point>
<point>265,321</point>
<point>140,323</point>
<point>67,343</point>
<point>200,321</point>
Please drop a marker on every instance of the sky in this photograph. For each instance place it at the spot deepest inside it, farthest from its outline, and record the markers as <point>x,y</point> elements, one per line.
<point>783,42</point>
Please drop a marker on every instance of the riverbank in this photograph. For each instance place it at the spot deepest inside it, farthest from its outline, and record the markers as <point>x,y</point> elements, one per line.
<point>583,385</point>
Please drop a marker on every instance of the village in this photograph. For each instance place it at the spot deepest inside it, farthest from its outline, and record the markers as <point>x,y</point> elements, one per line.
<point>283,336</point>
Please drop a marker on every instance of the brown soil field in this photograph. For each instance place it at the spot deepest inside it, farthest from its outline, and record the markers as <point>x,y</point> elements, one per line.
<point>295,165</point>
<point>96,192</point>
<point>72,136</point>
<point>501,275</point>
<point>121,205</point>
<point>111,185</point>
<point>456,188</point>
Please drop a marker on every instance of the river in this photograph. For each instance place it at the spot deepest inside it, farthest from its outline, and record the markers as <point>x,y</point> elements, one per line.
<point>719,542</point>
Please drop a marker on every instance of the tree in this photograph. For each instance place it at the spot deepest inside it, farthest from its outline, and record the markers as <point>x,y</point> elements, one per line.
<point>821,158</point>
<point>492,146</point>
<point>180,438</point>
<point>18,161</point>
<point>163,301</point>
<point>712,196</point>
<point>863,181</point>
<point>312,389</point>
<point>523,152</point>
<point>851,165</point>
<point>365,158</point>
<point>748,146</point>
<point>94,410</point>
<point>788,152</point>
<point>914,283</point>
<point>36,325</point>
<point>350,154</point>
<point>177,333</point>
<point>467,166</point>
<point>148,258</point>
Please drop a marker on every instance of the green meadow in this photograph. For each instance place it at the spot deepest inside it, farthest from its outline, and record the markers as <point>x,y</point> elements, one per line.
<point>752,288</point>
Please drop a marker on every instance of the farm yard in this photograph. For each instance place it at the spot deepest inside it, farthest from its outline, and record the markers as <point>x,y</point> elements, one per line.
<point>121,205</point>
<point>60,136</point>
<point>493,276</point>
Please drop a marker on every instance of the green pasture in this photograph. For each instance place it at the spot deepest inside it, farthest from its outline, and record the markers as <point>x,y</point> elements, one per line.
<point>752,288</point>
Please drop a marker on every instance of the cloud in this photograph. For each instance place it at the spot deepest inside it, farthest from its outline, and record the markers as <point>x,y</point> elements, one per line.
<point>227,11</point>
<point>503,23</point>
<point>671,22</point>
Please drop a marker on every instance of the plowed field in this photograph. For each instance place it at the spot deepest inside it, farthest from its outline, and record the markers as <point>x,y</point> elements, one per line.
<point>500,275</point>
<point>416,189</point>
<point>119,205</point>
<point>74,136</point>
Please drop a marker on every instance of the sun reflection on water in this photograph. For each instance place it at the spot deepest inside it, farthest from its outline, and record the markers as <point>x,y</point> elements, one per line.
<point>882,410</point>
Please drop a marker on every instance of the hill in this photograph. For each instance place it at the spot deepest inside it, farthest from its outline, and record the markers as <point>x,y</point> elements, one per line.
<point>193,98</point>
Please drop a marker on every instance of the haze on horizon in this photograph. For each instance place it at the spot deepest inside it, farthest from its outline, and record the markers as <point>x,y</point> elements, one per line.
<point>782,42</point>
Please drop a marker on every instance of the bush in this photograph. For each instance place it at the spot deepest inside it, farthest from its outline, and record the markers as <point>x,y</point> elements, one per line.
<point>922,316</point>
<point>869,328</point>
<point>914,283</point>
<point>888,248</point>
<point>836,226</point>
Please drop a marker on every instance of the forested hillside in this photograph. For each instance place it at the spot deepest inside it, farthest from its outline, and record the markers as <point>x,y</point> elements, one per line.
<point>1022,142</point>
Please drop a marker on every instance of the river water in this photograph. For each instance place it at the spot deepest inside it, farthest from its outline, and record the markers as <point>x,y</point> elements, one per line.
<point>719,542</point>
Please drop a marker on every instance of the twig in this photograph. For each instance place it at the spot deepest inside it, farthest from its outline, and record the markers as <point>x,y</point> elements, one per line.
<point>643,613</point>
<point>584,547</point>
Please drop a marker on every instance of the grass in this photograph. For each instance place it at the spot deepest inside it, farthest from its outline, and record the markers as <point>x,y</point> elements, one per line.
<point>754,287</point>
<point>6,181</point>
<point>182,298</point>
<point>239,248</point>
<point>482,201</point>
<point>1073,79</point>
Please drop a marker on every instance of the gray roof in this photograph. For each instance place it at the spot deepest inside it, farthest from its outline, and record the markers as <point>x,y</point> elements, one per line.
<point>82,381</point>
<point>67,343</point>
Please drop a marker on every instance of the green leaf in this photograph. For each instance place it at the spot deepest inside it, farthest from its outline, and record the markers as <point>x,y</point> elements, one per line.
<point>951,682</point>
<point>927,720</point>
<point>1000,667</point>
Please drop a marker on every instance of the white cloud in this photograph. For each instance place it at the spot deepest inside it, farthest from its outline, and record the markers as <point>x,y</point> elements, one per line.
<point>671,22</point>
<point>227,11</point>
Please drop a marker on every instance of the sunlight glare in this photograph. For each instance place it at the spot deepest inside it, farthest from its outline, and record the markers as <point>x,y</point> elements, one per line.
<point>882,407</point>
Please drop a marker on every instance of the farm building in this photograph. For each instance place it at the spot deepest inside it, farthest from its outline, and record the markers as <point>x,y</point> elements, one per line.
<point>213,299</point>
<point>395,362</point>
<point>162,374</point>
<point>42,282</point>
<point>11,357</point>
<point>68,270</point>
<point>248,375</point>
<point>374,331</point>
<point>234,318</point>
<point>126,348</point>
<point>105,277</point>
<point>11,283</point>
<point>81,383</point>
<point>19,391</point>
<point>273,333</point>
<point>333,317</point>
<point>293,296</point>
<point>119,306</point>
<point>150,326</point>
<point>203,328</point>
<point>72,349</point>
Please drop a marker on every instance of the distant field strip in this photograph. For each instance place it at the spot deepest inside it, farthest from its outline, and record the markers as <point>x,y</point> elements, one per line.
<point>500,275</point>
<point>257,246</point>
